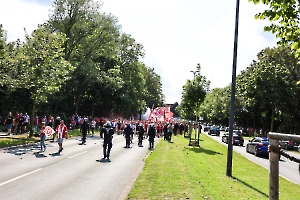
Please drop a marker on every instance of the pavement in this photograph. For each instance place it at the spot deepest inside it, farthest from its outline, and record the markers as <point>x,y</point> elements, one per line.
<point>77,173</point>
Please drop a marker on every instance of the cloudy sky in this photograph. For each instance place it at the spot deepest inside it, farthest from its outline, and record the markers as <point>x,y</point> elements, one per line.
<point>176,34</point>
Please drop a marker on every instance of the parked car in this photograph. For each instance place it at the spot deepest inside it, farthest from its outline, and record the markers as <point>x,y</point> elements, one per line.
<point>206,128</point>
<point>236,140</point>
<point>288,145</point>
<point>214,131</point>
<point>222,128</point>
<point>258,146</point>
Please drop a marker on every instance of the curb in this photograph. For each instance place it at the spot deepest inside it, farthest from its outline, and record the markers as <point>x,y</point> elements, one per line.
<point>136,174</point>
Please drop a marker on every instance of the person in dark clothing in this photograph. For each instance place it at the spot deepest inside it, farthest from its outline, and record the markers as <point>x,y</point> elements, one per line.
<point>186,128</point>
<point>170,130</point>
<point>108,133</point>
<point>181,128</point>
<point>151,135</point>
<point>166,132</point>
<point>141,135</point>
<point>127,134</point>
<point>9,122</point>
<point>21,122</point>
<point>84,128</point>
<point>176,127</point>
<point>101,123</point>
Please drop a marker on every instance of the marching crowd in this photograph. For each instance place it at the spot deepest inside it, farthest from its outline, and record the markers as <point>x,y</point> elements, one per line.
<point>106,128</point>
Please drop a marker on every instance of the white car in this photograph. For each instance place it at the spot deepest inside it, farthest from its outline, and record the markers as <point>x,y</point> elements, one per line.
<point>222,128</point>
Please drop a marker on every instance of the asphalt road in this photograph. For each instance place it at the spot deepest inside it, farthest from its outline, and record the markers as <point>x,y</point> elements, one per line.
<point>287,168</point>
<point>75,174</point>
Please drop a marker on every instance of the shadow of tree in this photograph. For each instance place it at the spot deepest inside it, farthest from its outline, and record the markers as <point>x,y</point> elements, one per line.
<point>202,150</point>
<point>250,186</point>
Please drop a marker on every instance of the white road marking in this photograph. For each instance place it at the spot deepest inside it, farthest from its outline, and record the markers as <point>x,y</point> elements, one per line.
<point>77,154</point>
<point>16,178</point>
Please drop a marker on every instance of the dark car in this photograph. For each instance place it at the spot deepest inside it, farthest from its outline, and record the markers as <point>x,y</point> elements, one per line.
<point>214,131</point>
<point>206,128</point>
<point>288,145</point>
<point>258,146</point>
<point>236,140</point>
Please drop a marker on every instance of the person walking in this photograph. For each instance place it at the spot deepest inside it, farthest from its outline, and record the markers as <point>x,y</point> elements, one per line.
<point>61,132</point>
<point>93,126</point>
<point>9,123</point>
<point>165,129</point>
<point>36,124</point>
<point>50,121</point>
<point>108,133</point>
<point>151,135</point>
<point>84,128</point>
<point>21,123</point>
<point>26,121</point>
<point>141,135</point>
<point>170,130</point>
<point>16,122</point>
<point>43,137</point>
<point>127,134</point>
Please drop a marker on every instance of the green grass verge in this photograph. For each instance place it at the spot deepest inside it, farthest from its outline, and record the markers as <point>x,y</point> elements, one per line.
<point>24,139</point>
<point>177,171</point>
<point>17,140</point>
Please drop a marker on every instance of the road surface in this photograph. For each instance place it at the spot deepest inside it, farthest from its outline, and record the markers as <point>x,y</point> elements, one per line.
<point>287,168</point>
<point>76,174</point>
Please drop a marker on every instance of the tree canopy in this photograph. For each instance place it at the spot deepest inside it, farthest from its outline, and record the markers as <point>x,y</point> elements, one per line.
<point>79,61</point>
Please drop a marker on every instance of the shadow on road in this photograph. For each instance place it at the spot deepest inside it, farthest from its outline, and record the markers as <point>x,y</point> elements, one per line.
<point>250,186</point>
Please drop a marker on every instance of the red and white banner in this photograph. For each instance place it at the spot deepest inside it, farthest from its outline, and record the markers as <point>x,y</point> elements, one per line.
<point>48,131</point>
<point>160,114</point>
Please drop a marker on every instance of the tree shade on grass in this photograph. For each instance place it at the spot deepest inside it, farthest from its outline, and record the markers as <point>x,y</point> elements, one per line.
<point>177,171</point>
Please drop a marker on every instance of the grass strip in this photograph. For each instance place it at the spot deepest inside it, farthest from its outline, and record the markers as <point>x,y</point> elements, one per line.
<point>17,140</point>
<point>24,139</point>
<point>177,171</point>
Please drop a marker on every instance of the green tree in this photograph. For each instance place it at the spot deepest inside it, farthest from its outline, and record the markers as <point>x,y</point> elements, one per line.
<point>38,66</point>
<point>92,42</point>
<point>266,84</point>
<point>215,107</point>
<point>284,15</point>
<point>154,95</point>
<point>193,94</point>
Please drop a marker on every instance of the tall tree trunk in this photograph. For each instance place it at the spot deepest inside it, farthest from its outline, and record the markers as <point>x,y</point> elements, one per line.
<point>32,117</point>
<point>79,95</point>
<point>272,120</point>
<point>93,107</point>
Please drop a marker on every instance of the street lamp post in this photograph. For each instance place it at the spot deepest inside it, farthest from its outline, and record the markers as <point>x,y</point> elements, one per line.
<point>194,72</point>
<point>232,98</point>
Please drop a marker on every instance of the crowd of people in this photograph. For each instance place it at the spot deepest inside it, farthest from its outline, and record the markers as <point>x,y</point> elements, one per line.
<point>105,127</point>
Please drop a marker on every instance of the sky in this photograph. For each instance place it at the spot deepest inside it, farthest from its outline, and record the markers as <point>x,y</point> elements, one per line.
<point>176,34</point>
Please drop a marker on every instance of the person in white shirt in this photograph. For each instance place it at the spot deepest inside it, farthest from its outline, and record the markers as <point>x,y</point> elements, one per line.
<point>26,121</point>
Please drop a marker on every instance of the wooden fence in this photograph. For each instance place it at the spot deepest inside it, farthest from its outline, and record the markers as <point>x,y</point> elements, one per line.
<point>275,152</point>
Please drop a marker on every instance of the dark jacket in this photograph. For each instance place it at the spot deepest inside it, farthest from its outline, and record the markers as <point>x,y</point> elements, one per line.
<point>108,134</point>
<point>127,132</point>
<point>84,126</point>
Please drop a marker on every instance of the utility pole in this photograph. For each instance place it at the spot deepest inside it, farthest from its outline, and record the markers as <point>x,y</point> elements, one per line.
<point>232,98</point>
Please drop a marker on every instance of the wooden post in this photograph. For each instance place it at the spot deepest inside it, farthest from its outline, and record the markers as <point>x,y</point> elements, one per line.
<point>274,161</point>
<point>274,170</point>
